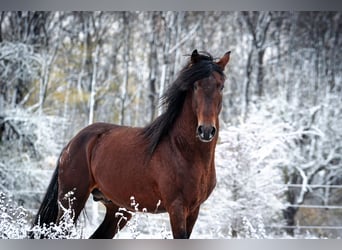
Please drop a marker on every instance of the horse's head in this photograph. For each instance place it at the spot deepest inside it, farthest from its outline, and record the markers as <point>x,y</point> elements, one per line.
<point>196,91</point>
<point>207,97</point>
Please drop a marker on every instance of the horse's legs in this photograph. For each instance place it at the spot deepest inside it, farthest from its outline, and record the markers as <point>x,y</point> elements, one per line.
<point>182,220</point>
<point>111,223</point>
<point>76,202</point>
<point>178,215</point>
<point>73,191</point>
<point>190,221</point>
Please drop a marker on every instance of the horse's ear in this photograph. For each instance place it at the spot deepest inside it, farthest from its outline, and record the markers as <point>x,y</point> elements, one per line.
<point>224,60</point>
<point>195,57</point>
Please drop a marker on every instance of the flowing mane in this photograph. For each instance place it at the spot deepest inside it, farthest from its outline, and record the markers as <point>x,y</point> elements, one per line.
<point>174,97</point>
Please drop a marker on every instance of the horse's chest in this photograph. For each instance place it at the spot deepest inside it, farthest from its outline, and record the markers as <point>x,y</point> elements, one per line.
<point>202,185</point>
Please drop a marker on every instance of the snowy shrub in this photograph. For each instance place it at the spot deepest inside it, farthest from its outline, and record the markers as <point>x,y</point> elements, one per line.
<point>13,220</point>
<point>14,223</point>
<point>65,229</point>
<point>252,229</point>
<point>28,150</point>
<point>142,224</point>
<point>30,134</point>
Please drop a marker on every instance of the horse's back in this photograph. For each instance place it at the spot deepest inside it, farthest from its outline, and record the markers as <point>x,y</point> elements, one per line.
<point>89,135</point>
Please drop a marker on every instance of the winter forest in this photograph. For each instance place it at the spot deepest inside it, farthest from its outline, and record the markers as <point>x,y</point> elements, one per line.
<point>279,154</point>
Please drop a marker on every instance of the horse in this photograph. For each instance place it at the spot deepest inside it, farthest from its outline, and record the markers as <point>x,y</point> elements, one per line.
<point>167,166</point>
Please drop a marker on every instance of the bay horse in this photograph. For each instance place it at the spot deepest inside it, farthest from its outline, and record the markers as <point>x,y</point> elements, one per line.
<point>168,166</point>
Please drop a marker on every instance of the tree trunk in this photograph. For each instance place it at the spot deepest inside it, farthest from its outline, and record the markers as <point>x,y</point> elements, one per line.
<point>124,86</point>
<point>247,85</point>
<point>153,65</point>
<point>93,86</point>
<point>2,17</point>
<point>260,73</point>
<point>258,25</point>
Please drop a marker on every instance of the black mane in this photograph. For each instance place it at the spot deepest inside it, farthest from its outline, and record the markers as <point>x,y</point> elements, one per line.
<point>175,95</point>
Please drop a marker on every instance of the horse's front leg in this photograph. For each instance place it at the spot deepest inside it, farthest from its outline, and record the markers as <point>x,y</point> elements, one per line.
<point>191,219</point>
<point>178,218</point>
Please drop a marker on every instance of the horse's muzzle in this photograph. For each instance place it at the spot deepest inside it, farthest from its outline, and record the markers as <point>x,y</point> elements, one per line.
<point>206,133</point>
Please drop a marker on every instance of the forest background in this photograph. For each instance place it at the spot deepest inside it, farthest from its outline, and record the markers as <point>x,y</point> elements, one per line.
<point>279,158</point>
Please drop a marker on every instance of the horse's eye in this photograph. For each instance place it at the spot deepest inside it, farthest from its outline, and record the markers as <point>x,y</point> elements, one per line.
<point>195,86</point>
<point>221,87</point>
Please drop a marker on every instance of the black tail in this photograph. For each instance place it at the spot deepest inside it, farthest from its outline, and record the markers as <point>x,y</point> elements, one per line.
<point>48,210</point>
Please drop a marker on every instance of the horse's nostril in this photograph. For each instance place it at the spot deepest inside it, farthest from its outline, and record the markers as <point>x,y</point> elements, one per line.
<point>213,132</point>
<point>206,133</point>
<point>200,131</point>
